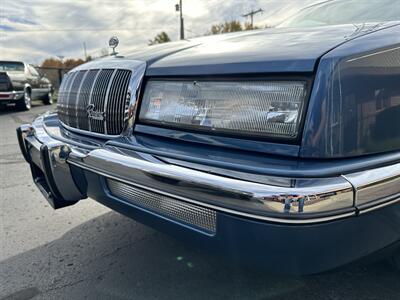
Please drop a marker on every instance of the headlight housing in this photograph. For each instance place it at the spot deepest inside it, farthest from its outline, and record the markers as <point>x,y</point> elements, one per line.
<point>257,108</point>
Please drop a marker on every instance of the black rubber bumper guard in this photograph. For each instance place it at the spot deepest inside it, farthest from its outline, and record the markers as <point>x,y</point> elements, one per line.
<point>43,170</point>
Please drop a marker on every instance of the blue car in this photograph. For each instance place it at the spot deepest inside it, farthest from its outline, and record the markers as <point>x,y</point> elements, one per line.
<point>277,147</point>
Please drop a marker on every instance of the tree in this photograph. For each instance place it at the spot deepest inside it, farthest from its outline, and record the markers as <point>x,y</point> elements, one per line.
<point>248,26</point>
<point>71,63</point>
<point>54,68</point>
<point>57,63</point>
<point>226,27</point>
<point>52,63</point>
<point>230,26</point>
<point>160,38</point>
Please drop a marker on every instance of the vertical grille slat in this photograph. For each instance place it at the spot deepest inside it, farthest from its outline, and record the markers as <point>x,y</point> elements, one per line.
<point>90,99</point>
<point>107,98</point>
<point>73,98</point>
<point>60,96</point>
<point>94,100</point>
<point>111,106</point>
<point>64,95</point>
<point>68,89</point>
<point>99,97</point>
<point>117,98</point>
<point>118,92</point>
<point>61,102</point>
<point>84,96</point>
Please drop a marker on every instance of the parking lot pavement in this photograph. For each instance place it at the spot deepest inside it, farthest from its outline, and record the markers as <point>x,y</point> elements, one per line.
<point>88,251</point>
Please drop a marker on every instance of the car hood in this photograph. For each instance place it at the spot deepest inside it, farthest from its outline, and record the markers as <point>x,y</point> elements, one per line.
<point>274,50</point>
<point>15,76</point>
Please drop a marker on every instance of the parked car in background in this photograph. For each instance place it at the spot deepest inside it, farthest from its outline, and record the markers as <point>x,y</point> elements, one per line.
<point>279,147</point>
<point>20,83</point>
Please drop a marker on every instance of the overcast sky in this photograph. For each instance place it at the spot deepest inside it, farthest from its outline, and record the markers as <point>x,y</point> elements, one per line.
<point>36,29</point>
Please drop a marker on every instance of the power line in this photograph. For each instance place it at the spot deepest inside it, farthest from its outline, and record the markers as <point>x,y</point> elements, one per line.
<point>191,31</point>
<point>82,29</point>
<point>251,15</point>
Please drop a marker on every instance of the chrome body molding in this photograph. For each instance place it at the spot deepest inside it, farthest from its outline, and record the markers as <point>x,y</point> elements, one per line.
<point>111,63</point>
<point>303,201</point>
<point>133,96</point>
<point>89,133</point>
<point>373,186</point>
<point>375,206</point>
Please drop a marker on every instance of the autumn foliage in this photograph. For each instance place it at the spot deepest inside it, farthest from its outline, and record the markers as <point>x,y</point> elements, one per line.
<point>68,64</point>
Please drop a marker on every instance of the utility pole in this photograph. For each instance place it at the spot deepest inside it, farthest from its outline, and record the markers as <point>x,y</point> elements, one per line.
<point>60,70</point>
<point>84,50</point>
<point>251,15</point>
<point>178,7</point>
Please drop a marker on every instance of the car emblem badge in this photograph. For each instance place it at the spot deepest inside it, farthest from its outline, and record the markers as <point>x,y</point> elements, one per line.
<point>93,113</point>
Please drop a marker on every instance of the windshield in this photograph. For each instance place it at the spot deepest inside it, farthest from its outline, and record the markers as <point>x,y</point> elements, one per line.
<point>336,12</point>
<point>11,66</point>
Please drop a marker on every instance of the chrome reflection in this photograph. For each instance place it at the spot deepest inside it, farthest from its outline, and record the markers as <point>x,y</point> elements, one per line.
<point>305,198</point>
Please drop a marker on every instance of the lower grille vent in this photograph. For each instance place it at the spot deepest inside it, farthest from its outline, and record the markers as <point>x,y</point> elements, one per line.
<point>202,218</point>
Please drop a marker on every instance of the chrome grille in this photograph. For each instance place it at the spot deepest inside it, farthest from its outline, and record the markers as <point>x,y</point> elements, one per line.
<point>105,91</point>
<point>201,218</point>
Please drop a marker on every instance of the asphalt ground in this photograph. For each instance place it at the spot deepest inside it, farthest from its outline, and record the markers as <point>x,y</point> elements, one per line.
<point>90,252</point>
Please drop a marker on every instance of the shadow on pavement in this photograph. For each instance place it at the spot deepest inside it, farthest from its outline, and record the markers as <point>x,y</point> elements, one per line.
<point>11,109</point>
<point>113,257</point>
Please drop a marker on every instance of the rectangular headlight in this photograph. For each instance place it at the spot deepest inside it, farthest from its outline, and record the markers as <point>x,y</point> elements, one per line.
<point>267,108</point>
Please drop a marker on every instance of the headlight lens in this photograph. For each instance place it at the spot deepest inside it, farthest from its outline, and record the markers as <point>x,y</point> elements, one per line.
<point>267,108</point>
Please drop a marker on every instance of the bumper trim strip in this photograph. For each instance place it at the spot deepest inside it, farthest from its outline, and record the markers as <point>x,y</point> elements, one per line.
<point>215,207</point>
<point>376,207</point>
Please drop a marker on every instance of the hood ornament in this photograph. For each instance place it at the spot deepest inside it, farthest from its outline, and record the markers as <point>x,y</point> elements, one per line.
<point>113,43</point>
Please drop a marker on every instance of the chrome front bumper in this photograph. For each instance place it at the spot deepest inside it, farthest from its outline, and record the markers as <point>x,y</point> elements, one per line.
<point>279,200</point>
